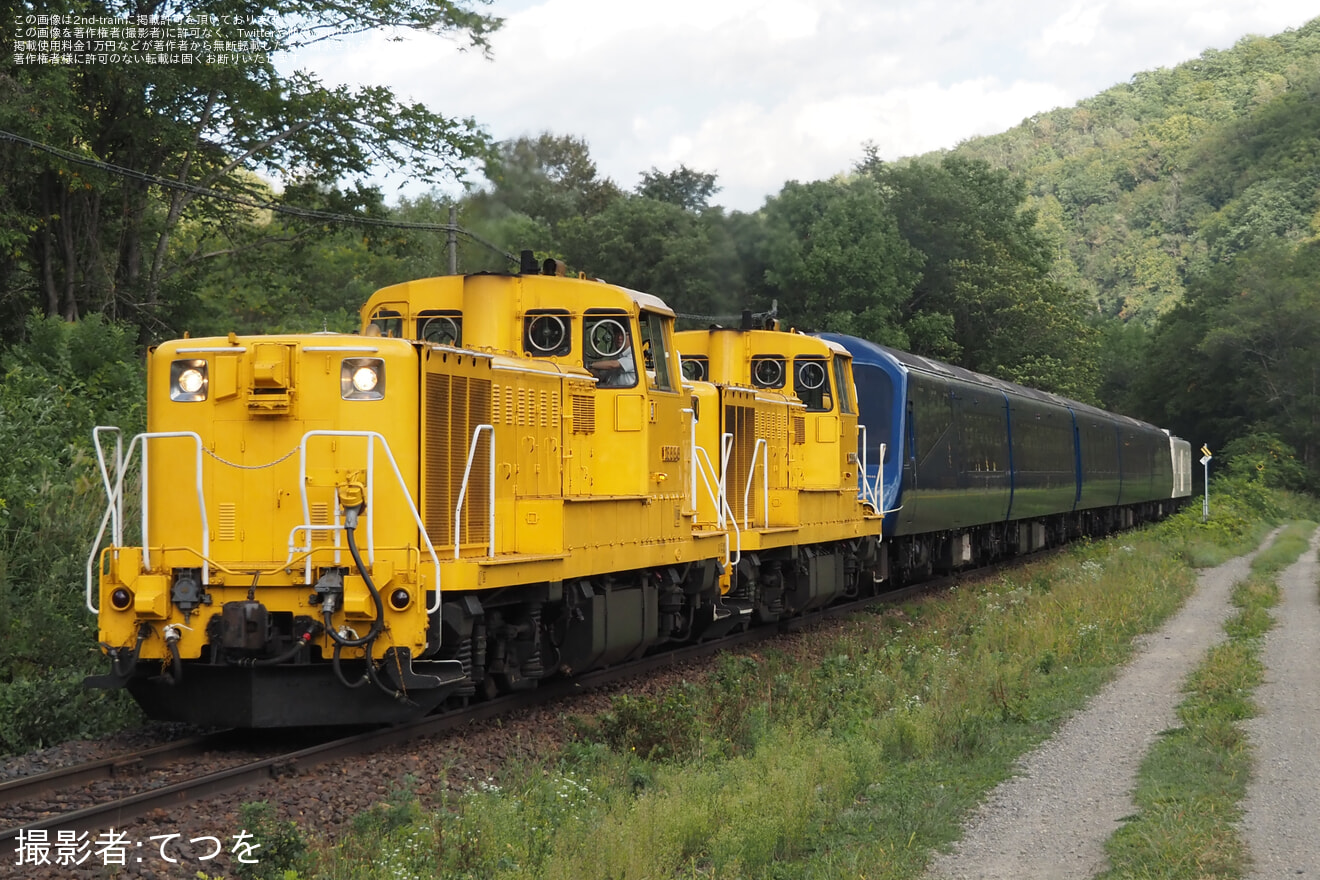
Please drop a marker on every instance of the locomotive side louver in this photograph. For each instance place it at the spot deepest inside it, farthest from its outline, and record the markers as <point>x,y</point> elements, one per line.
<point>455,406</point>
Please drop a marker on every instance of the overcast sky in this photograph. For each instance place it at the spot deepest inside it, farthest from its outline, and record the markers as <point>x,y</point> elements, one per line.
<point>765,91</point>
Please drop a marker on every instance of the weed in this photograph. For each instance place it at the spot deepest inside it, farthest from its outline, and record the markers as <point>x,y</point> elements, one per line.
<point>282,846</point>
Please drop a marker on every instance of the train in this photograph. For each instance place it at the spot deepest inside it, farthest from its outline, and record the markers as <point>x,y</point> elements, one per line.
<point>503,478</point>
<point>973,468</point>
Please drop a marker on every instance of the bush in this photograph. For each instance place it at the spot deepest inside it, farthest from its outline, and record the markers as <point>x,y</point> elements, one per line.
<point>55,385</point>
<point>1267,459</point>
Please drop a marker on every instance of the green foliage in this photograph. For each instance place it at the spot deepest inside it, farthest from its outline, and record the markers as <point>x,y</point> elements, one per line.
<point>282,846</point>
<point>658,247</point>
<point>690,190</point>
<point>57,384</point>
<point>81,240</point>
<point>835,259</point>
<point>1240,357</point>
<point>663,728</point>
<point>1267,458</point>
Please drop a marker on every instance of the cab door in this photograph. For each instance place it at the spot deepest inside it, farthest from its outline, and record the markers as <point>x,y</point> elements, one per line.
<point>667,424</point>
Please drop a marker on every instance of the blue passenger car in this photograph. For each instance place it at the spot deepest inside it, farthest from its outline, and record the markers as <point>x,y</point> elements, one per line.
<point>970,467</point>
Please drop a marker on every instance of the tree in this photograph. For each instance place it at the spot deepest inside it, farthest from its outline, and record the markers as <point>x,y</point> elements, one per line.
<point>548,179</point>
<point>835,259</point>
<point>93,238</point>
<point>690,190</point>
<point>987,298</point>
<point>658,247</point>
<point>1240,355</point>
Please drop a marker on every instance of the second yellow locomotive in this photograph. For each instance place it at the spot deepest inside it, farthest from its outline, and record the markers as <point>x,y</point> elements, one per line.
<point>502,478</point>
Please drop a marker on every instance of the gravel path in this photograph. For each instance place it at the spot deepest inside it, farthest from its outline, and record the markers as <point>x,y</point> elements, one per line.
<point>1282,821</point>
<point>1051,822</point>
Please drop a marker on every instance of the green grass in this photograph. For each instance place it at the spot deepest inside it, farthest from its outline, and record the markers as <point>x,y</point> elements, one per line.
<point>1192,781</point>
<point>856,753</point>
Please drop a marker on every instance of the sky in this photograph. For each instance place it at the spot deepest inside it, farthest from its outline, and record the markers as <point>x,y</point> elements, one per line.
<point>761,92</point>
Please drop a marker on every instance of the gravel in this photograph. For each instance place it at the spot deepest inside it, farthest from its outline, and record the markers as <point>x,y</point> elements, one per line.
<point>1283,799</point>
<point>1052,820</point>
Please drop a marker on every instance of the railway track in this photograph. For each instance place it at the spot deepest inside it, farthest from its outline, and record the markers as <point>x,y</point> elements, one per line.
<point>41,801</point>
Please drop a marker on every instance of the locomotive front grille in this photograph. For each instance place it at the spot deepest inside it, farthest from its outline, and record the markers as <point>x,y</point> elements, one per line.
<point>455,406</point>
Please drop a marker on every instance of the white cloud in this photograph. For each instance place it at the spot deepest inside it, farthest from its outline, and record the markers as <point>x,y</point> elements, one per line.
<point>764,91</point>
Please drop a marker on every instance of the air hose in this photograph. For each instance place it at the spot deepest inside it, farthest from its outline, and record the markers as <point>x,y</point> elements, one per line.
<point>377,626</point>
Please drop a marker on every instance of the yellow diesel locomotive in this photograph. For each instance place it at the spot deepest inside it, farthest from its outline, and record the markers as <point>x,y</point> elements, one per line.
<point>500,479</point>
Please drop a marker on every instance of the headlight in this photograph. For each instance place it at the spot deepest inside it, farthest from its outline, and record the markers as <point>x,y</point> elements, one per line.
<point>188,380</point>
<point>362,379</point>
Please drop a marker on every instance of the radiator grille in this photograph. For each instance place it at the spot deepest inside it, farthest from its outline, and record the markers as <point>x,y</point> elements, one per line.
<point>455,406</point>
<point>799,430</point>
<point>740,421</point>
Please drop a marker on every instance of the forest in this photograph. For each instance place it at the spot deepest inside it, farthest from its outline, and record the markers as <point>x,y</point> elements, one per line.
<point>1154,249</point>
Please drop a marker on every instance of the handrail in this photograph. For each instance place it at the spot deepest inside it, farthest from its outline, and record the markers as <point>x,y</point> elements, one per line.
<point>398,475</point>
<point>692,457</point>
<point>115,502</point>
<point>734,556</point>
<point>462,492</point>
<point>117,527</point>
<point>765,483</point>
<point>871,493</point>
<point>201,495</point>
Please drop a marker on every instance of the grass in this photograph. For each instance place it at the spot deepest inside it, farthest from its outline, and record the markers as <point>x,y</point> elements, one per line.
<point>856,751</point>
<point>1191,783</point>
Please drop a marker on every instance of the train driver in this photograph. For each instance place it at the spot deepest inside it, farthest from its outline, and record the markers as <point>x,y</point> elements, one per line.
<point>616,368</point>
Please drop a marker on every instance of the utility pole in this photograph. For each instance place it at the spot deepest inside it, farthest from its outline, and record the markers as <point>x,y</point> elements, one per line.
<point>453,239</point>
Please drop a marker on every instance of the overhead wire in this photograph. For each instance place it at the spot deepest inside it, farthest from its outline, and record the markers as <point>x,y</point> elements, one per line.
<point>248,202</point>
<point>301,213</point>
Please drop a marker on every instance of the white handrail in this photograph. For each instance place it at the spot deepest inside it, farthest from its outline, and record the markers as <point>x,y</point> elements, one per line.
<point>692,457</point>
<point>726,452</point>
<point>115,505</point>
<point>403,485</point>
<point>462,492</point>
<point>146,494</point>
<point>870,493</point>
<point>115,500</point>
<point>765,482</point>
<point>91,558</point>
<point>721,506</point>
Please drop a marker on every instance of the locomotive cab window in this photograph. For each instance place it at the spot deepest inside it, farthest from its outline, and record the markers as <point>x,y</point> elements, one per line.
<point>546,333</point>
<point>386,322</point>
<point>442,327</point>
<point>695,367</point>
<point>843,376</point>
<point>607,349</point>
<point>768,371</point>
<point>655,351</point>
<point>811,383</point>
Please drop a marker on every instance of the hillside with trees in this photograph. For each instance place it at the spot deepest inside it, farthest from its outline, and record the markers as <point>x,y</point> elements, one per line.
<point>1187,203</point>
